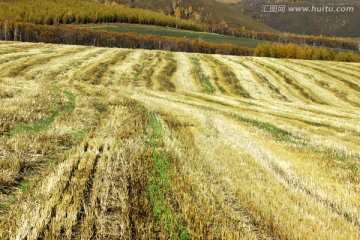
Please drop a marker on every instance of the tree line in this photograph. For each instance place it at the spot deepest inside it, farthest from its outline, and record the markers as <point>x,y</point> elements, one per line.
<point>279,50</point>
<point>65,34</point>
<point>44,20</point>
<point>318,41</point>
<point>81,12</point>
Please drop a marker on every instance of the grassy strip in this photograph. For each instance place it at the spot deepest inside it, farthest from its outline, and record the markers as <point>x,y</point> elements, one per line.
<point>158,186</point>
<point>351,163</point>
<point>45,122</point>
<point>170,32</point>
<point>204,79</point>
<point>278,133</point>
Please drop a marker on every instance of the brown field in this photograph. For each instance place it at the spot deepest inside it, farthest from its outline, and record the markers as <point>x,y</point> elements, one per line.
<point>99,143</point>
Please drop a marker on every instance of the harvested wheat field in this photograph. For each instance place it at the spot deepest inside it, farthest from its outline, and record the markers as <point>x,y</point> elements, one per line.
<point>99,143</point>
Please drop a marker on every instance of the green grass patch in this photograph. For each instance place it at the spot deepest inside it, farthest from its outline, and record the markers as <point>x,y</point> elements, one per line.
<point>348,161</point>
<point>170,32</point>
<point>273,130</point>
<point>24,185</point>
<point>158,186</point>
<point>79,134</point>
<point>4,206</point>
<point>99,106</point>
<point>70,106</point>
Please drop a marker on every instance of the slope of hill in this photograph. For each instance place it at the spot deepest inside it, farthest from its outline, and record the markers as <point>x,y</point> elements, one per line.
<point>344,24</point>
<point>101,143</point>
<point>211,11</point>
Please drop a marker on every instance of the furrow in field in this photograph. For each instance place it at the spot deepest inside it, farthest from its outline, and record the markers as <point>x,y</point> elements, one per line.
<point>183,77</point>
<point>22,48</point>
<point>303,89</point>
<point>144,69</point>
<point>225,78</point>
<point>153,82</point>
<point>14,47</point>
<point>276,80</point>
<point>209,70</point>
<point>266,80</point>
<point>284,113</point>
<point>220,214</point>
<point>37,68</point>
<point>246,78</point>
<point>165,77</point>
<point>203,73</point>
<point>335,88</point>
<point>64,69</point>
<point>352,83</point>
<point>55,65</point>
<point>11,57</point>
<point>150,71</point>
<point>202,81</point>
<point>80,198</point>
<point>122,74</point>
<point>290,186</point>
<point>322,132</point>
<point>24,64</point>
<point>93,72</point>
<point>332,89</point>
<point>345,68</point>
<point>313,135</point>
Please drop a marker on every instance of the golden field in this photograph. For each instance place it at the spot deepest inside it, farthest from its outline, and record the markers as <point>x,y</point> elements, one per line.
<point>101,143</point>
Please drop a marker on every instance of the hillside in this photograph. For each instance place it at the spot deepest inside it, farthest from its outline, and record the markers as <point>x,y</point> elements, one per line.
<point>211,11</point>
<point>104,143</point>
<point>342,24</point>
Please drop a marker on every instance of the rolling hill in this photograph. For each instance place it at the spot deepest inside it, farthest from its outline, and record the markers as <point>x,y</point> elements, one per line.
<point>104,143</point>
<point>238,13</point>
<point>342,24</point>
<point>212,11</point>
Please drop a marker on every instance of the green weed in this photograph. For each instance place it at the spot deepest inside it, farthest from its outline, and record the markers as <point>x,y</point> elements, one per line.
<point>79,134</point>
<point>158,186</point>
<point>99,106</point>
<point>24,185</point>
<point>204,79</point>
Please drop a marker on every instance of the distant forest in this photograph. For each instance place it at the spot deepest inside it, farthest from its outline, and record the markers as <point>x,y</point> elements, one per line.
<point>48,21</point>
